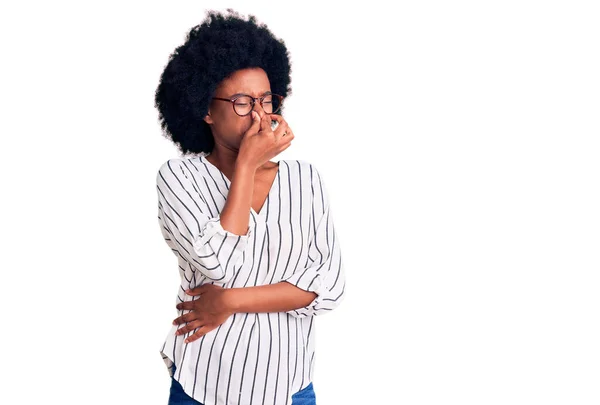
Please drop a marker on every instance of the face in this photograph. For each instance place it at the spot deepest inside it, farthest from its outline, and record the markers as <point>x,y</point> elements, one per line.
<point>227,126</point>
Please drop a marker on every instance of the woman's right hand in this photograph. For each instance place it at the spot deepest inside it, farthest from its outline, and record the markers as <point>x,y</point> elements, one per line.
<point>260,143</point>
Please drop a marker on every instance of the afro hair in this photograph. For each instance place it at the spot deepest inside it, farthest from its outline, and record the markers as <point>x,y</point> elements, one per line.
<point>213,50</point>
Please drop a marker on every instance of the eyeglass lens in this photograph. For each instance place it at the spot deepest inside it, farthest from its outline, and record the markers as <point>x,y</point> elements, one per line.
<point>243,105</point>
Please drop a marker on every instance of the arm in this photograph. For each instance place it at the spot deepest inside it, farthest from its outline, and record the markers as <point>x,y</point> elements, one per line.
<point>309,291</point>
<point>279,297</point>
<point>211,243</point>
<point>325,274</point>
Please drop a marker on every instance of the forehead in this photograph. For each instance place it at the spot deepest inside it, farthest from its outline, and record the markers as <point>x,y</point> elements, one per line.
<point>253,81</point>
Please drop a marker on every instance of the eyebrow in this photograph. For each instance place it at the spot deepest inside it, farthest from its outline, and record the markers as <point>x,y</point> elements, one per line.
<point>244,94</point>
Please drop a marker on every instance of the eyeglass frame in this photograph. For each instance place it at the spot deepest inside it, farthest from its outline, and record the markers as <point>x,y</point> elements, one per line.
<point>234,98</point>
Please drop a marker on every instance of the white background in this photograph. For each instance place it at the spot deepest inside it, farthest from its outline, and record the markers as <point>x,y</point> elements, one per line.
<point>459,144</point>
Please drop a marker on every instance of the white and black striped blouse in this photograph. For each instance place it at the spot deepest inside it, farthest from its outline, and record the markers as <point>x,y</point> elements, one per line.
<point>252,358</point>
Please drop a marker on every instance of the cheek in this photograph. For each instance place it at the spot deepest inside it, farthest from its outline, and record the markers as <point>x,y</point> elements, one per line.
<point>247,123</point>
<point>224,120</point>
<point>235,125</point>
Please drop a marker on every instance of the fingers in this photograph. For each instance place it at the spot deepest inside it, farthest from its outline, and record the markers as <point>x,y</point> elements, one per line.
<point>286,141</point>
<point>199,333</point>
<point>281,129</point>
<point>197,290</point>
<point>276,117</point>
<point>282,125</point>
<point>190,316</point>
<point>289,135</point>
<point>185,305</point>
<point>265,123</point>
<point>283,133</point>
<point>256,123</point>
<point>190,326</point>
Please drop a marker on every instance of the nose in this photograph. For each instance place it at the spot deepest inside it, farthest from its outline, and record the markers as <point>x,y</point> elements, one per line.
<point>258,108</point>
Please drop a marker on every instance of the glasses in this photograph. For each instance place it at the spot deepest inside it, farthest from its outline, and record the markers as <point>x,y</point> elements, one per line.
<point>244,104</point>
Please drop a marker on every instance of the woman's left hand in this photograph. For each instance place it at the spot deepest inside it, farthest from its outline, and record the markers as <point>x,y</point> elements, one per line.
<point>208,311</point>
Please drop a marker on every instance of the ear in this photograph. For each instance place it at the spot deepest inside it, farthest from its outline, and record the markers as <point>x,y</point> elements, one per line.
<point>208,119</point>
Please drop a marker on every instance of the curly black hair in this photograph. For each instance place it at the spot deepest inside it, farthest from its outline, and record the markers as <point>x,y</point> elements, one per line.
<point>213,50</point>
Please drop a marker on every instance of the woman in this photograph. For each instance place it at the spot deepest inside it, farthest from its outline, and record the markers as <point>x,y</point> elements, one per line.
<point>256,247</point>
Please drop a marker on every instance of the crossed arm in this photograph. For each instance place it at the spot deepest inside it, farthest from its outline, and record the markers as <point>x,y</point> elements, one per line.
<point>214,246</point>
<point>216,304</point>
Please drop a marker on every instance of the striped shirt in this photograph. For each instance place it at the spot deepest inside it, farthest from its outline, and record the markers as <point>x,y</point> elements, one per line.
<point>252,358</point>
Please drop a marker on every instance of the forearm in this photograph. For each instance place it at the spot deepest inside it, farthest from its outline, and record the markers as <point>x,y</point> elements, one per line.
<point>236,211</point>
<point>280,297</point>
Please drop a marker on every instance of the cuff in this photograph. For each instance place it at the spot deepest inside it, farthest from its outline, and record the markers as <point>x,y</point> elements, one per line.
<point>308,282</point>
<point>213,226</point>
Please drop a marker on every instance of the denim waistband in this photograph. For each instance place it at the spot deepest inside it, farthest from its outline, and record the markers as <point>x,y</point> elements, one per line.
<point>305,396</point>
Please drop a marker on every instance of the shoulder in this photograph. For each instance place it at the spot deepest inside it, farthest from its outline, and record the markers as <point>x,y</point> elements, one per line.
<point>305,173</point>
<point>186,162</point>
<point>177,166</point>
<point>168,168</point>
<point>305,170</point>
<point>300,165</point>
<point>168,163</point>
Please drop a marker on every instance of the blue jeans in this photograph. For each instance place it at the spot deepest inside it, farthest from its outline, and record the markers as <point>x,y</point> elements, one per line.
<point>178,396</point>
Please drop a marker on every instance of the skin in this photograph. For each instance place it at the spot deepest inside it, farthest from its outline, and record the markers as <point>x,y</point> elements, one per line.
<point>243,149</point>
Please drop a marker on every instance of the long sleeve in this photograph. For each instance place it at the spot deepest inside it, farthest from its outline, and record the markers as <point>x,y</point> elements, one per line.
<point>190,229</point>
<point>325,273</point>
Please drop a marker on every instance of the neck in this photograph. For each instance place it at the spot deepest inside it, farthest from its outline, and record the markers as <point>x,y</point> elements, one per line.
<point>223,158</point>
